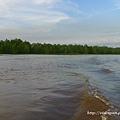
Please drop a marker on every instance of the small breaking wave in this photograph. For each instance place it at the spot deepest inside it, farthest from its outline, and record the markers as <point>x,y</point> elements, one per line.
<point>93,105</point>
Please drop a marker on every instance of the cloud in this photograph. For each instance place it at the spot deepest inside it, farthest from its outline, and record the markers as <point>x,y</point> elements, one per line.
<point>45,1</point>
<point>110,42</point>
<point>117,4</point>
<point>34,19</point>
<point>68,6</point>
<point>4,3</point>
<point>26,13</point>
<point>35,12</point>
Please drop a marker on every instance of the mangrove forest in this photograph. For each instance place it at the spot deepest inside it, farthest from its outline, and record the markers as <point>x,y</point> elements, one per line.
<point>17,46</point>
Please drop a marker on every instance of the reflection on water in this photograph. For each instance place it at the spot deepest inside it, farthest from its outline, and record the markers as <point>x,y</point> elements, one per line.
<point>43,87</point>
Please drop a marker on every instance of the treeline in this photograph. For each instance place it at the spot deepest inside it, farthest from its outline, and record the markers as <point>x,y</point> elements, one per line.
<point>17,46</point>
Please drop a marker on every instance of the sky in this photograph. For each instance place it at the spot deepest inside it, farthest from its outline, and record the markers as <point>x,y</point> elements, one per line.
<point>91,22</point>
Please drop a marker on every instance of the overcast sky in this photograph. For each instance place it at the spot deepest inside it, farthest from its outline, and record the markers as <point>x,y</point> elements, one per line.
<point>92,22</point>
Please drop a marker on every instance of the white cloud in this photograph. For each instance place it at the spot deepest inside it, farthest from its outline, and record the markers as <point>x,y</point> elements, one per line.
<point>44,1</point>
<point>29,13</point>
<point>6,2</point>
<point>32,19</point>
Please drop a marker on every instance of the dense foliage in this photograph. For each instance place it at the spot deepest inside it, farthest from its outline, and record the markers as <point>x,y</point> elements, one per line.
<point>17,46</point>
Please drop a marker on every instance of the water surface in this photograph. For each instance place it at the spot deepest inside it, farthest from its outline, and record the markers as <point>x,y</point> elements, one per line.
<point>52,87</point>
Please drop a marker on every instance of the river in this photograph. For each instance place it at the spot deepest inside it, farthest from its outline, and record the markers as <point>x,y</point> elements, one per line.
<point>59,87</point>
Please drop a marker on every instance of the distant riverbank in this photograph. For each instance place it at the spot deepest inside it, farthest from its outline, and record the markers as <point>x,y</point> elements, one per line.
<point>17,46</point>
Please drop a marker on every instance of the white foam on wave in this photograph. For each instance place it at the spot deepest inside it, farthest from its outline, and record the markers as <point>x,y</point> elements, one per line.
<point>104,117</point>
<point>97,94</point>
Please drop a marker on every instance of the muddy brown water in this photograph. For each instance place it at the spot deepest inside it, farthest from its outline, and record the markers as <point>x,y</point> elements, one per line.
<point>59,87</point>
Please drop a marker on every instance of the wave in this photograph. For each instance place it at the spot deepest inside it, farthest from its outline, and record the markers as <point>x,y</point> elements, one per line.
<point>93,105</point>
<point>105,71</point>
